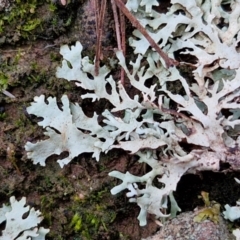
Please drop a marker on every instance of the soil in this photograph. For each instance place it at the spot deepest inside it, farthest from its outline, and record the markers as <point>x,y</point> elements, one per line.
<point>81,190</point>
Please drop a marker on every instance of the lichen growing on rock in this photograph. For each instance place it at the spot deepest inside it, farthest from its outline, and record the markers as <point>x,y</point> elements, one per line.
<point>192,129</point>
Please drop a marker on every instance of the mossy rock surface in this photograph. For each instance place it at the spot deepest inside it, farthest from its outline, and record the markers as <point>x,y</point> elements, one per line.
<point>31,33</point>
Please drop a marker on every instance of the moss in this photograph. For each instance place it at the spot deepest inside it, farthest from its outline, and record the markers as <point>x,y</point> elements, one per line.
<point>32,19</point>
<point>22,16</point>
<point>76,222</point>
<point>52,7</point>
<point>8,66</point>
<point>211,210</point>
<point>3,116</point>
<point>93,215</point>
<point>55,57</point>
<point>3,81</point>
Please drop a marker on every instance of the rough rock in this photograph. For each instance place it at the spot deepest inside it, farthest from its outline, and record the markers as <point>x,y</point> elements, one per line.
<point>183,227</point>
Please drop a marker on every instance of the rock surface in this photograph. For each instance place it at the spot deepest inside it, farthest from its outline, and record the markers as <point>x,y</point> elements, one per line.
<point>183,227</point>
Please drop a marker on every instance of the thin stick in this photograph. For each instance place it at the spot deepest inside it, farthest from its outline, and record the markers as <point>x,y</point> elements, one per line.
<point>120,37</point>
<point>96,7</point>
<point>169,62</point>
<point>123,43</point>
<point>8,94</point>
<point>99,37</point>
<point>115,15</point>
<point>123,32</point>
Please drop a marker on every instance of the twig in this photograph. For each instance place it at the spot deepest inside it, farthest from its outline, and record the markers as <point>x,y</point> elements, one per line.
<point>123,32</point>
<point>123,42</point>
<point>8,94</point>
<point>175,113</point>
<point>96,7</point>
<point>120,37</point>
<point>117,29</point>
<point>169,62</point>
<point>99,17</point>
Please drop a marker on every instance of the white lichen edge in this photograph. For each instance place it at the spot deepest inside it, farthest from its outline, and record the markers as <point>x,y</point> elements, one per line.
<point>232,214</point>
<point>18,226</point>
<point>199,132</point>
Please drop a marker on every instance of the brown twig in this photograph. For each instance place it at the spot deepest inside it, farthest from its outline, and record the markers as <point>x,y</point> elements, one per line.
<point>117,28</point>
<point>99,19</point>
<point>123,32</point>
<point>175,113</point>
<point>123,42</point>
<point>169,61</point>
<point>96,7</point>
<point>120,36</point>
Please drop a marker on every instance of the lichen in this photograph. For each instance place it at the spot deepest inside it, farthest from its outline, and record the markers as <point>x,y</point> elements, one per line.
<point>174,133</point>
<point>18,227</point>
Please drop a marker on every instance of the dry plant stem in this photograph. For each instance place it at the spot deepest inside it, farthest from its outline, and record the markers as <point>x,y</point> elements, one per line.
<point>96,7</point>
<point>120,42</point>
<point>123,42</point>
<point>169,62</point>
<point>8,94</point>
<point>117,29</point>
<point>99,35</point>
<point>123,33</point>
<point>175,113</point>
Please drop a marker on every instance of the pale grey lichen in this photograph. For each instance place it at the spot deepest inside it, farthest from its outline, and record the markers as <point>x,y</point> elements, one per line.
<point>232,214</point>
<point>18,225</point>
<point>190,129</point>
